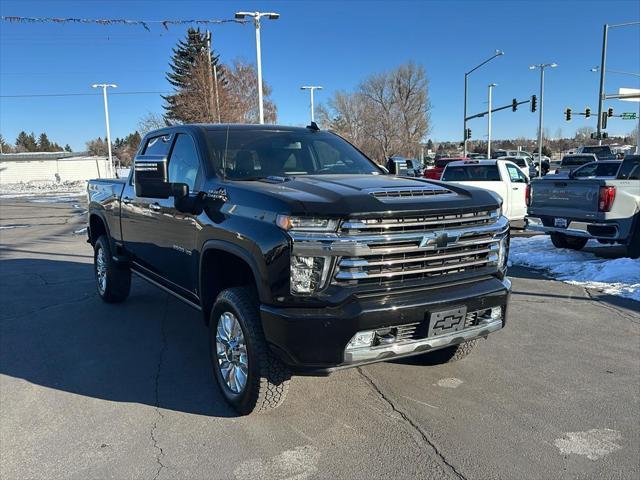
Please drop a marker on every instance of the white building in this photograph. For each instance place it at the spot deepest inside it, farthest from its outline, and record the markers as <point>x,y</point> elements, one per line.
<point>53,167</point>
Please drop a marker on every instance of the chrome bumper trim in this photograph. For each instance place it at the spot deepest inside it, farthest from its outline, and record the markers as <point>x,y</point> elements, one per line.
<point>424,345</point>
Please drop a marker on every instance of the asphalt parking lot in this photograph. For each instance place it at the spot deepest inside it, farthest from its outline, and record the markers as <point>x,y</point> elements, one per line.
<point>96,391</point>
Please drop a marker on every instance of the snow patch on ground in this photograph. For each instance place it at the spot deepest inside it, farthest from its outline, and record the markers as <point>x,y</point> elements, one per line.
<point>64,190</point>
<point>619,276</point>
<point>593,444</point>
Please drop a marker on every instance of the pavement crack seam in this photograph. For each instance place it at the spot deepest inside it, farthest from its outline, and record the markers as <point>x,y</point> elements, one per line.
<point>412,424</point>
<point>163,336</point>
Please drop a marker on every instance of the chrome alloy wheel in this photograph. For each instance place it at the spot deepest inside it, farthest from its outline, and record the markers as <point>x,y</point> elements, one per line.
<point>231,352</point>
<point>101,270</point>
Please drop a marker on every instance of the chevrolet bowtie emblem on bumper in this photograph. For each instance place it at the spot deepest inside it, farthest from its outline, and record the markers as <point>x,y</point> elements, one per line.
<point>438,239</point>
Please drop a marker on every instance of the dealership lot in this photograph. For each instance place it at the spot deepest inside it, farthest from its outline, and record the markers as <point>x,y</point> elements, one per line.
<point>89,390</point>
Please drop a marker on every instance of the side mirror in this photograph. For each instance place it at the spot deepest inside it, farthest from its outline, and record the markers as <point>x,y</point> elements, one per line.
<point>151,177</point>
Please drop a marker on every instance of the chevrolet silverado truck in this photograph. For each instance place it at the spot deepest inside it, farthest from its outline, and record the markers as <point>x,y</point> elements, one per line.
<point>301,254</point>
<point>578,207</point>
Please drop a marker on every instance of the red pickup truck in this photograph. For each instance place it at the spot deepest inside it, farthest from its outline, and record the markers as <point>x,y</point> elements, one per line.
<point>435,172</point>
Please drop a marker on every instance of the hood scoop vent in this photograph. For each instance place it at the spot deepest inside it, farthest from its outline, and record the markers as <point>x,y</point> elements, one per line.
<point>408,193</point>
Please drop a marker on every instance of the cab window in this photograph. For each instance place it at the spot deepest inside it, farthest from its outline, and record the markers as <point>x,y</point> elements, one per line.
<point>183,162</point>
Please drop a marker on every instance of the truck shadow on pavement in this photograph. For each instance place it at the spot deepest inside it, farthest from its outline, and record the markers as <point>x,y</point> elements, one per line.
<point>56,332</point>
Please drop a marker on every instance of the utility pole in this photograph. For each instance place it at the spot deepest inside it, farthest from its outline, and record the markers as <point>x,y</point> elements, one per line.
<point>104,87</point>
<point>256,21</point>
<point>311,88</point>
<point>466,76</point>
<point>491,87</point>
<point>213,80</point>
<point>541,66</point>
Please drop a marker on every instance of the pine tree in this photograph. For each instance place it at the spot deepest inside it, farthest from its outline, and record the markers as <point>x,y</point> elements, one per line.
<point>4,146</point>
<point>26,142</point>
<point>67,148</point>
<point>44,145</point>
<point>192,80</point>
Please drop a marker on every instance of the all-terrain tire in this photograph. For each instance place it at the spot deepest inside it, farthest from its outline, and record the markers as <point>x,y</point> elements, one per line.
<point>449,354</point>
<point>560,240</point>
<point>113,279</point>
<point>268,378</point>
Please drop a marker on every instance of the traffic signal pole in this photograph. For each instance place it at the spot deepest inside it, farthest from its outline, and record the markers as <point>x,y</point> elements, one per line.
<point>603,63</point>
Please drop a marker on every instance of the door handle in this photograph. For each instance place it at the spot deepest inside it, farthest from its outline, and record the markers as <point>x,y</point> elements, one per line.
<point>515,188</point>
<point>155,207</point>
<point>126,200</point>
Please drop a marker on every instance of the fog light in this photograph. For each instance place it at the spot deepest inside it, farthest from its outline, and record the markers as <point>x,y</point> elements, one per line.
<point>361,339</point>
<point>496,313</point>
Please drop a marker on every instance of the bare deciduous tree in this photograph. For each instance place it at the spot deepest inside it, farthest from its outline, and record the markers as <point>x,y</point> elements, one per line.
<point>388,114</point>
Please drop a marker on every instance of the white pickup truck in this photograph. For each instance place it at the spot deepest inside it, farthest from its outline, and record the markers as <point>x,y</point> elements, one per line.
<point>500,176</point>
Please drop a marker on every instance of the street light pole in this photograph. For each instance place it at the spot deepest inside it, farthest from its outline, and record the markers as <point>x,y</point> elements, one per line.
<point>256,21</point>
<point>603,63</point>
<point>541,66</point>
<point>104,87</point>
<point>311,88</point>
<point>466,77</point>
<point>491,86</point>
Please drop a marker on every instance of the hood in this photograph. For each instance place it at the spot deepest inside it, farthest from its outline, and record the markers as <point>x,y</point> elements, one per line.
<point>348,195</point>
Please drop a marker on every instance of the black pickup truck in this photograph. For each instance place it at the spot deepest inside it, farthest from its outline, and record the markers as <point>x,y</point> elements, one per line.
<point>301,254</point>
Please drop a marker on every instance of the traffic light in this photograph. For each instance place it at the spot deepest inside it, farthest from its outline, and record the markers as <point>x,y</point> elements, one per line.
<point>534,103</point>
<point>514,105</point>
<point>468,133</point>
<point>605,116</point>
<point>610,112</point>
<point>567,114</point>
<point>587,112</point>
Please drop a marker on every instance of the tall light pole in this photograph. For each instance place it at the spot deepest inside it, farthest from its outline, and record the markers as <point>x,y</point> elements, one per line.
<point>466,76</point>
<point>542,67</point>
<point>311,88</point>
<point>104,87</point>
<point>491,87</point>
<point>603,68</point>
<point>256,20</point>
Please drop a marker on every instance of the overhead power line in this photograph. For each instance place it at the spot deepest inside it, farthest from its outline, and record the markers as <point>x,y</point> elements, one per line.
<point>35,95</point>
<point>120,21</point>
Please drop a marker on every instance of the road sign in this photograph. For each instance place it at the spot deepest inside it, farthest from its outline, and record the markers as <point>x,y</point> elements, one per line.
<point>629,94</point>
<point>628,115</point>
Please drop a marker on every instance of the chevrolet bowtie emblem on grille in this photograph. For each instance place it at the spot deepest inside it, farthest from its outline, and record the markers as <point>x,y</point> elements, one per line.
<point>439,239</point>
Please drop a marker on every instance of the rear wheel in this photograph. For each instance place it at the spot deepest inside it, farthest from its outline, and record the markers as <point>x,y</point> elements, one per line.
<point>250,377</point>
<point>561,240</point>
<point>633,247</point>
<point>113,280</point>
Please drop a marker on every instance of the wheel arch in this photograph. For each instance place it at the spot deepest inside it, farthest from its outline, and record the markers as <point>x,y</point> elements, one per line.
<point>224,265</point>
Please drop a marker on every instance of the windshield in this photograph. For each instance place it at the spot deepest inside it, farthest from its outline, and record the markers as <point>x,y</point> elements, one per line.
<point>598,150</point>
<point>443,163</point>
<point>250,154</point>
<point>471,173</point>
<point>577,160</point>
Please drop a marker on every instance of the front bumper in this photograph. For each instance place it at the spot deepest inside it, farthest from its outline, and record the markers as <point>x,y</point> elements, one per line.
<point>313,340</point>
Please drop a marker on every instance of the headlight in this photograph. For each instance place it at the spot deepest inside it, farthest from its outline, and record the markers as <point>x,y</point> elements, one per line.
<point>309,274</point>
<point>306,224</point>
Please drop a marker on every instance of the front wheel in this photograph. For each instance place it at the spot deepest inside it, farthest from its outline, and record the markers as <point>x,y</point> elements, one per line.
<point>633,247</point>
<point>250,377</point>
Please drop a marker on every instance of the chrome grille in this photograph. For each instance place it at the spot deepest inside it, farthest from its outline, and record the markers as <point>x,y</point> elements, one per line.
<point>411,248</point>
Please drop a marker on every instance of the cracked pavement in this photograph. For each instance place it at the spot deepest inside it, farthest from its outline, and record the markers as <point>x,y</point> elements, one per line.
<point>96,391</point>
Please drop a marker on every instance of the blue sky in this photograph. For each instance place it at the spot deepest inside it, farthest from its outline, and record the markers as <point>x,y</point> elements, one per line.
<point>331,43</point>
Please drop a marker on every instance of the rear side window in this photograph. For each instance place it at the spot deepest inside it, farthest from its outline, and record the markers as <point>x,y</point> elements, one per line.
<point>630,169</point>
<point>472,173</point>
<point>516,175</point>
<point>158,145</point>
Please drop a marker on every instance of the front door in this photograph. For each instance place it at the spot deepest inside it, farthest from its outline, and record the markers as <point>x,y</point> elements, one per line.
<point>517,195</point>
